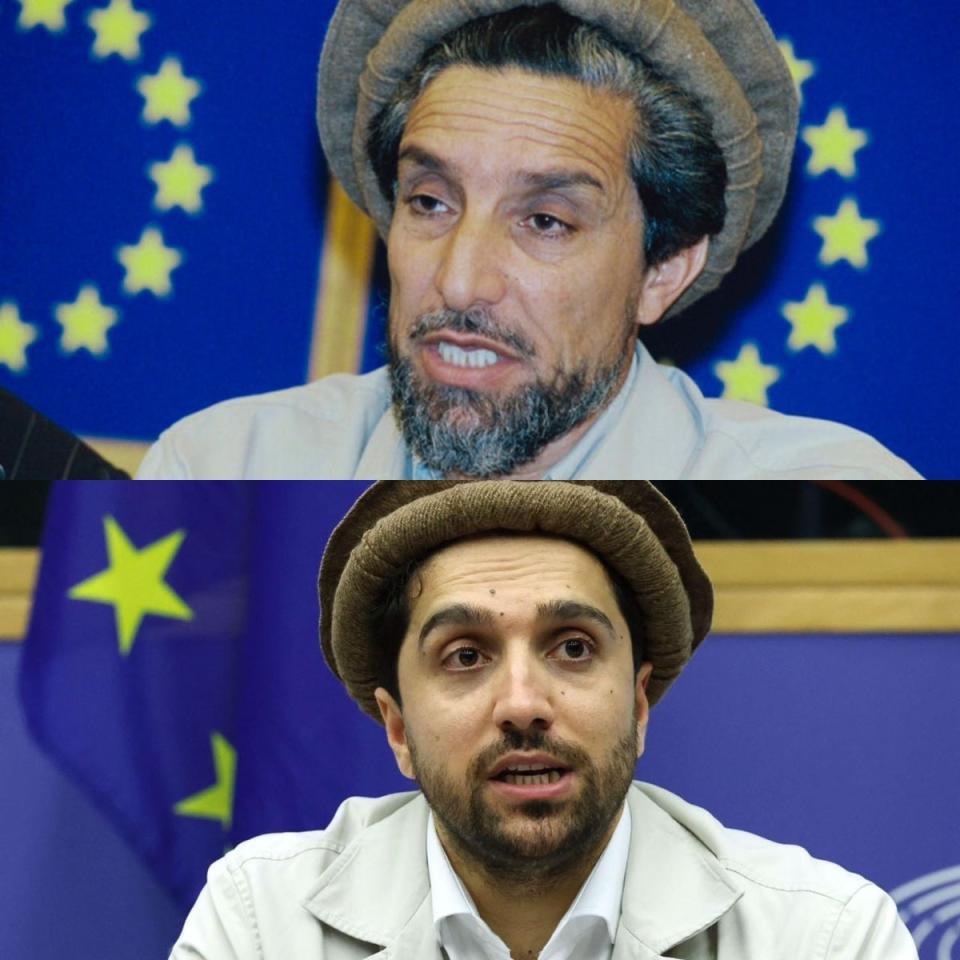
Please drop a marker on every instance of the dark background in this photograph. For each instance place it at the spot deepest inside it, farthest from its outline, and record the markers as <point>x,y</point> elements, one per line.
<point>713,510</point>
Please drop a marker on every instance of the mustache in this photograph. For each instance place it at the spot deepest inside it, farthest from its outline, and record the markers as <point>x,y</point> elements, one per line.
<point>477,322</point>
<point>533,741</point>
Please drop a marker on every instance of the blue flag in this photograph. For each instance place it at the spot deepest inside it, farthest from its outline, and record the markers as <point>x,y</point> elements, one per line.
<point>172,666</point>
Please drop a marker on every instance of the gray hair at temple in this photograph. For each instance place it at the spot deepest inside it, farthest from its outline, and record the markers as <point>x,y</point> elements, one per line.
<point>675,162</point>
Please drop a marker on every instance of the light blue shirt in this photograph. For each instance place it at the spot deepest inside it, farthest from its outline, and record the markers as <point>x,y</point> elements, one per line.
<point>659,427</point>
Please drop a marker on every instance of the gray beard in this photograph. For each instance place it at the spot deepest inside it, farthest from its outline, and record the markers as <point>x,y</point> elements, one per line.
<point>465,432</point>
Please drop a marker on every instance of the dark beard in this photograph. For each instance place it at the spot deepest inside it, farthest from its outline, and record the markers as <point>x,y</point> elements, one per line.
<point>455,431</point>
<point>567,831</point>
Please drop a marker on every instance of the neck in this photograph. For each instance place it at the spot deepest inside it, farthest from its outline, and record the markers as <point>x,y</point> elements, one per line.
<point>522,913</point>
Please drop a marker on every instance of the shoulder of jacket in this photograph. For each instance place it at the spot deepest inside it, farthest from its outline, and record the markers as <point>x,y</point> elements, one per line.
<point>782,445</point>
<point>328,399</point>
<point>318,846</point>
<point>757,861</point>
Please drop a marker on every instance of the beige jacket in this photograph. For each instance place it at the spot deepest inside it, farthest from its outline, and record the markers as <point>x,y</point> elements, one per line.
<point>694,890</point>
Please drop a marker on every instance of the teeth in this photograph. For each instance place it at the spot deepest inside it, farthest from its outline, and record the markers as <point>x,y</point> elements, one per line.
<point>477,359</point>
<point>532,779</point>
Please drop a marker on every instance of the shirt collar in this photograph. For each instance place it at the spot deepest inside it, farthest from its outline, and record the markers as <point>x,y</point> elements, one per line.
<point>599,897</point>
<point>568,467</point>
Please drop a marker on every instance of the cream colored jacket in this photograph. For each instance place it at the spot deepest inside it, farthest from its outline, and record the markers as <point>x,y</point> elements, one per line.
<point>694,890</point>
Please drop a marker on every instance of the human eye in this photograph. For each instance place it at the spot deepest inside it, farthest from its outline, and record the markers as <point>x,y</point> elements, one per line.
<point>424,205</point>
<point>547,225</point>
<point>573,649</point>
<point>462,660</point>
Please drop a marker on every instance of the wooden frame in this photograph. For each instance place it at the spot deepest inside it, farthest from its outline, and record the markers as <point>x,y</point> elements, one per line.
<point>842,586</point>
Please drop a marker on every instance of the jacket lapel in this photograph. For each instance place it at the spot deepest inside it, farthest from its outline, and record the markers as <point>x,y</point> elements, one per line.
<point>675,887</point>
<point>378,890</point>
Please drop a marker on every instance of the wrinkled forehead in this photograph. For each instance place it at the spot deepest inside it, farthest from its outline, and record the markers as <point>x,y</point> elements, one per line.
<point>498,119</point>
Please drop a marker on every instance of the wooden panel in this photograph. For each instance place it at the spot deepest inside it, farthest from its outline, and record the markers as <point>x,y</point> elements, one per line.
<point>124,454</point>
<point>18,572</point>
<point>901,609</point>
<point>830,563</point>
<point>809,587</point>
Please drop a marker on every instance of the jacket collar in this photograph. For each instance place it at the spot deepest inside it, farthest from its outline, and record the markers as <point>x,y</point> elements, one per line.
<point>655,915</point>
<point>378,890</point>
<point>659,433</point>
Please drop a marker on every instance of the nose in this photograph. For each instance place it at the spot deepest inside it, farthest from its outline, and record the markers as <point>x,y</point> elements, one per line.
<point>470,273</point>
<point>523,696</point>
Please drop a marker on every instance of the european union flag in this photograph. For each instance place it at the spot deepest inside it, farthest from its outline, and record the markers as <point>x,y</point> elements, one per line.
<point>172,666</point>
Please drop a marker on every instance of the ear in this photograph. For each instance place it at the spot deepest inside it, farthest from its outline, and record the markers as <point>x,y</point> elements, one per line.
<point>665,283</point>
<point>396,731</point>
<point>643,705</point>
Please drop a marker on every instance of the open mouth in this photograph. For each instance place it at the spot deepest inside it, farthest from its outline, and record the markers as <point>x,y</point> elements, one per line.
<point>469,359</point>
<point>531,777</point>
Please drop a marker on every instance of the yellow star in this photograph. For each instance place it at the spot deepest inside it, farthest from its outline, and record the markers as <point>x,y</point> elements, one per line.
<point>149,263</point>
<point>815,321</point>
<point>834,145</point>
<point>168,94</point>
<point>180,180</point>
<point>15,337</point>
<point>118,28</point>
<point>748,377</point>
<point>85,322</point>
<point>216,802</point>
<point>44,13</point>
<point>133,584</point>
<point>846,235</point>
<point>800,70</point>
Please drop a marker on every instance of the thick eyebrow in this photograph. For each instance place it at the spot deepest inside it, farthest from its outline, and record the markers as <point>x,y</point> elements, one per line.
<point>558,180</point>
<point>535,181</point>
<point>457,614</point>
<point>423,158</point>
<point>574,610</point>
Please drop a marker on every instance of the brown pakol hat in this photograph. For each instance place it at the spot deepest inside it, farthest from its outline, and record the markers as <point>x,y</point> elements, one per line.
<point>629,524</point>
<point>722,51</point>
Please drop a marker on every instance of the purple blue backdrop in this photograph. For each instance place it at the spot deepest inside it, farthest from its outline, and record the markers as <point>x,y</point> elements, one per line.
<point>239,316</point>
<point>843,744</point>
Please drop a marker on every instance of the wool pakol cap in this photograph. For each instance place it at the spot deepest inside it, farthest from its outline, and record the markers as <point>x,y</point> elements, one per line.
<point>721,51</point>
<point>629,524</point>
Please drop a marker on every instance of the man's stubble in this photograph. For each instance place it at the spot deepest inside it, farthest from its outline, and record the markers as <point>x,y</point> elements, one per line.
<point>544,840</point>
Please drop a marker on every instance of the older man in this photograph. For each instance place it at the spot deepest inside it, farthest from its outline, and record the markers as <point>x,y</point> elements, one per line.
<point>512,638</point>
<point>550,180</point>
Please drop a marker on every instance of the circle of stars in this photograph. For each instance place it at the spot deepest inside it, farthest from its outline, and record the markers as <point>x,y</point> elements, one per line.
<point>814,321</point>
<point>118,29</point>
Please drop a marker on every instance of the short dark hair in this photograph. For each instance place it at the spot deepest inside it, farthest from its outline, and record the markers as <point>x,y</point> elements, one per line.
<point>391,613</point>
<point>677,166</point>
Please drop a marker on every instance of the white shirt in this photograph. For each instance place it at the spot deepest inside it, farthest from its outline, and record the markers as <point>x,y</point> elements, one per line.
<point>586,931</point>
<point>660,427</point>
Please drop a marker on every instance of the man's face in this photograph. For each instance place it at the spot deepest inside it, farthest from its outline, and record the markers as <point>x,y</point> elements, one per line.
<point>517,654</point>
<point>516,265</point>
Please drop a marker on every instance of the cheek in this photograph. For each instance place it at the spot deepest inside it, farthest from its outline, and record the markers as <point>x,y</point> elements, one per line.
<point>445,730</point>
